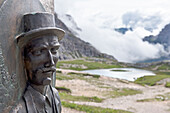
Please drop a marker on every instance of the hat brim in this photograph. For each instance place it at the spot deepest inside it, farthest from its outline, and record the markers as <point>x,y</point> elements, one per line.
<point>23,38</point>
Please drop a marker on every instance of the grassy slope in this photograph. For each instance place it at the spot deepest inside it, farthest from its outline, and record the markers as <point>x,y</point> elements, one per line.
<point>146,80</point>
<point>66,96</point>
<point>88,64</point>
<point>92,109</point>
<point>152,80</point>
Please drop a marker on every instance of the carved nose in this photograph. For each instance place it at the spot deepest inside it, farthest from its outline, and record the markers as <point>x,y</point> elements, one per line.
<point>50,60</point>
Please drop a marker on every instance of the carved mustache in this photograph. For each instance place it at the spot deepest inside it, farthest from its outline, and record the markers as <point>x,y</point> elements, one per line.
<point>45,70</point>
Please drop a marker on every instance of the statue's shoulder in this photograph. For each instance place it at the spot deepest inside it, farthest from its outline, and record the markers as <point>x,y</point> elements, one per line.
<point>56,98</point>
<point>21,107</point>
<point>26,103</point>
<point>55,92</point>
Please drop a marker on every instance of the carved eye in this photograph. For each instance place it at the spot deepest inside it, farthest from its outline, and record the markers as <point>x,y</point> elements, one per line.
<point>54,50</point>
<point>36,52</point>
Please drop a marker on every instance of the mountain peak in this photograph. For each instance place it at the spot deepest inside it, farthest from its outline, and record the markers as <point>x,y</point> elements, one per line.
<point>73,47</point>
<point>123,30</point>
<point>69,21</point>
<point>162,38</point>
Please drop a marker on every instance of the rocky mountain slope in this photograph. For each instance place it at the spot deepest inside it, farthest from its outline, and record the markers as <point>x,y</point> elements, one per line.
<point>162,38</point>
<point>73,47</point>
<point>123,30</point>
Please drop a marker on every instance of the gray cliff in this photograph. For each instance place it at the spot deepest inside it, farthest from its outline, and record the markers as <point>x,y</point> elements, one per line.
<point>162,38</point>
<point>73,47</point>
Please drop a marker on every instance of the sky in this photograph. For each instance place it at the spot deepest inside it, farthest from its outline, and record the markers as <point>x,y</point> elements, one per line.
<point>99,18</point>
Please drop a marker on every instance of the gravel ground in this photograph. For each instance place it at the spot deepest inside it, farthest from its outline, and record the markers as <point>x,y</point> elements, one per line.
<point>96,88</point>
<point>129,102</point>
<point>68,110</point>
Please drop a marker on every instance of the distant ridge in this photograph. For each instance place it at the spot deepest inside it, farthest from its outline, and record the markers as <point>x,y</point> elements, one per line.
<point>73,47</point>
<point>162,38</point>
<point>123,30</point>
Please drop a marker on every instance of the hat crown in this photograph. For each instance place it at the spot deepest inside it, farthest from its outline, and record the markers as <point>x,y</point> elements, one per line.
<point>38,20</point>
<point>36,25</point>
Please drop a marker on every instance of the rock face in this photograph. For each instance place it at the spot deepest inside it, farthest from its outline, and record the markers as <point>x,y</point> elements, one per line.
<point>163,37</point>
<point>68,20</point>
<point>123,30</point>
<point>73,47</point>
<point>12,76</point>
<point>48,5</point>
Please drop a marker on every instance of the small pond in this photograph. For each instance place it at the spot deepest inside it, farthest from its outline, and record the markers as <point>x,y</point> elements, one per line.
<point>129,74</point>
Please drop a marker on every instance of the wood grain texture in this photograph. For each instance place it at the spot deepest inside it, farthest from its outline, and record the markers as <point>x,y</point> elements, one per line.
<point>12,78</point>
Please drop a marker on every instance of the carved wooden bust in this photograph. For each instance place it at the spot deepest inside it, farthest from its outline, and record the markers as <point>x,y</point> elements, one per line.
<point>39,44</point>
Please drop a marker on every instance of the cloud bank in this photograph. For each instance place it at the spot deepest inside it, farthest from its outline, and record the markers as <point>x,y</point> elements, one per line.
<point>97,19</point>
<point>125,48</point>
<point>136,19</point>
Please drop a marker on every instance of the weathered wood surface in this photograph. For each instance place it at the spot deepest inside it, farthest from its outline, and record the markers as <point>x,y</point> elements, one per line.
<point>12,78</point>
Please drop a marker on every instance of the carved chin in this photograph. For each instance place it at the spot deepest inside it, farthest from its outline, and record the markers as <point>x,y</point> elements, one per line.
<point>42,78</point>
<point>47,78</point>
<point>47,81</point>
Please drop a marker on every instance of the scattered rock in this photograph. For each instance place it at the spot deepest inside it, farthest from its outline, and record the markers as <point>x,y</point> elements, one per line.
<point>164,81</point>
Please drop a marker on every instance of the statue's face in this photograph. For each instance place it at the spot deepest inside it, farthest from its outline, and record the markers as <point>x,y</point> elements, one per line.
<point>41,56</point>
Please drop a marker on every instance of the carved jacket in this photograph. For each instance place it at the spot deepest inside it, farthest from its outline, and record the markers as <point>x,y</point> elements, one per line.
<point>35,102</point>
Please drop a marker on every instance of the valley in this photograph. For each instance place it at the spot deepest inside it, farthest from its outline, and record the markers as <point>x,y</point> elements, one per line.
<point>81,92</point>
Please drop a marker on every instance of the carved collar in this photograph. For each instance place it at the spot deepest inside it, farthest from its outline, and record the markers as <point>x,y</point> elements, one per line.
<point>42,103</point>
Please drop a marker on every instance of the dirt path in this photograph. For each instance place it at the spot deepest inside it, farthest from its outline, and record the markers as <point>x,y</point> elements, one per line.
<point>68,110</point>
<point>129,102</point>
<point>105,84</point>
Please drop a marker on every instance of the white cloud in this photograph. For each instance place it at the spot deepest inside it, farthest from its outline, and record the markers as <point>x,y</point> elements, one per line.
<point>98,18</point>
<point>137,19</point>
<point>126,48</point>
